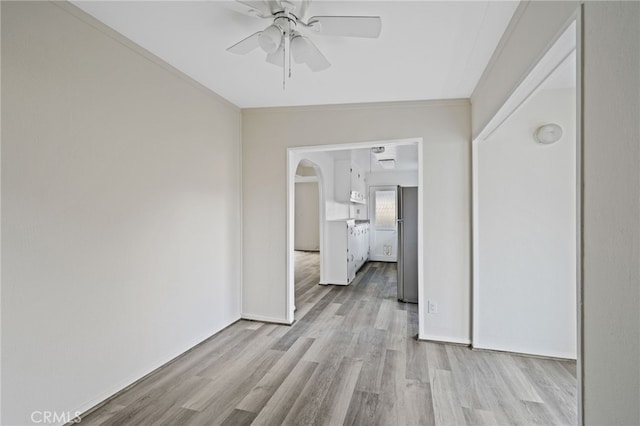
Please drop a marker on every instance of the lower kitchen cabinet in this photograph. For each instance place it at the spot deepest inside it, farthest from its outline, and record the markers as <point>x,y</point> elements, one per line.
<point>347,250</point>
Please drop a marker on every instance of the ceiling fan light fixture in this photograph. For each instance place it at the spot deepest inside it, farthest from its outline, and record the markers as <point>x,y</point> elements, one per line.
<point>270,39</point>
<point>300,49</point>
<point>277,57</point>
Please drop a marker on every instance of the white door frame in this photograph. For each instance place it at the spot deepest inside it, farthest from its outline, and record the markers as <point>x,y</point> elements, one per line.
<point>294,155</point>
<point>569,39</point>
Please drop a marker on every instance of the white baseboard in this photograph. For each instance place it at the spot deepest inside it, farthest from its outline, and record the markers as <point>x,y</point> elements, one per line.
<point>527,352</point>
<point>443,339</point>
<point>382,259</point>
<point>252,317</point>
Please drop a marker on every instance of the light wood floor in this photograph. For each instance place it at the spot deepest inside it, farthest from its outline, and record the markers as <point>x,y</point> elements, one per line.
<point>351,357</point>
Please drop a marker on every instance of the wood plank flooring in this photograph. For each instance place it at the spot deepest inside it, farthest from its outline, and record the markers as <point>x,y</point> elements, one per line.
<point>350,358</point>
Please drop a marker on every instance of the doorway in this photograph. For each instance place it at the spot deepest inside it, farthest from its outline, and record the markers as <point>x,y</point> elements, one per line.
<point>526,221</point>
<point>324,157</point>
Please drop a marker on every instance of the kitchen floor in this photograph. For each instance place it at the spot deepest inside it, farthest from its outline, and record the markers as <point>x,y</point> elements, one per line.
<point>351,357</point>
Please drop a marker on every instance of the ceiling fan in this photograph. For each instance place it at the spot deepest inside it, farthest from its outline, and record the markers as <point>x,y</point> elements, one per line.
<point>283,39</point>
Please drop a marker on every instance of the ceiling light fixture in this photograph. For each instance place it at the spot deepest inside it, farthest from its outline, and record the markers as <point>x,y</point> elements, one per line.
<point>548,133</point>
<point>270,39</point>
<point>377,149</point>
<point>300,49</point>
<point>282,42</point>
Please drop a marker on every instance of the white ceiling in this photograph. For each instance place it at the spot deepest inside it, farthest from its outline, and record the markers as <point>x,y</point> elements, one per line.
<point>427,49</point>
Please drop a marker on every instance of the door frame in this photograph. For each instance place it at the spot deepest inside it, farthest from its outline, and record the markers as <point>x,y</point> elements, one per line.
<point>568,41</point>
<point>294,155</point>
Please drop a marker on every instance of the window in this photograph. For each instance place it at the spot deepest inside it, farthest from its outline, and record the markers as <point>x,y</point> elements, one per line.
<point>385,210</point>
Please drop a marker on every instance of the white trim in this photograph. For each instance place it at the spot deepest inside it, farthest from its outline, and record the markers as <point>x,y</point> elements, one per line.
<point>421,285</point>
<point>294,154</point>
<point>289,291</point>
<point>475,251</point>
<point>520,351</point>
<point>263,318</point>
<point>443,339</point>
<point>293,159</point>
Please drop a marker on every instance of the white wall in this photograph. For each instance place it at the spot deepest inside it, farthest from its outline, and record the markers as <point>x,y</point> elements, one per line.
<point>611,185</point>
<point>307,218</point>
<point>525,294</point>
<point>611,213</point>
<point>325,167</point>
<point>445,127</point>
<point>120,212</point>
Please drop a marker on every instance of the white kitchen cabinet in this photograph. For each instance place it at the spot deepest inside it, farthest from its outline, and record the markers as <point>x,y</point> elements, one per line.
<point>348,250</point>
<point>349,182</point>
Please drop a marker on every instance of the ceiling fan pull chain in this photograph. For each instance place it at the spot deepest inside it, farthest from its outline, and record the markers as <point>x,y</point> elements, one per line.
<point>286,55</point>
<point>289,58</point>
<point>284,66</point>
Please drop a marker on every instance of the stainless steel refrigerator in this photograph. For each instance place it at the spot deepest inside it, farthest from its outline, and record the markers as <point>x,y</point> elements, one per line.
<point>407,209</point>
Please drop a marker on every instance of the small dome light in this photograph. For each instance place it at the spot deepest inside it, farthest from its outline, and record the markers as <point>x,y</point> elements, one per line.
<point>548,133</point>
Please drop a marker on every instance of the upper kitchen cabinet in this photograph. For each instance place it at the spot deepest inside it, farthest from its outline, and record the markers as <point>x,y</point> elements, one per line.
<point>349,182</point>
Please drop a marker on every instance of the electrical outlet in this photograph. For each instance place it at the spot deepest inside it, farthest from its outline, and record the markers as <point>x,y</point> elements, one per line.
<point>432,307</point>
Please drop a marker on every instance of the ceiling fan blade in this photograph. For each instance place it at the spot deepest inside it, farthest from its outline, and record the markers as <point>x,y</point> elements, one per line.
<point>277,57</point>
<point>246,45</point>
<point>349,26</point>
<point>314,59</point>
<point>262,8</point>
<point>274,6</point>
<point>303,9</point>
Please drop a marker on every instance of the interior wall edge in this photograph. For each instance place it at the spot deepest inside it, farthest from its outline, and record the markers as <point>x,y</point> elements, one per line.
<point>110,32</point>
